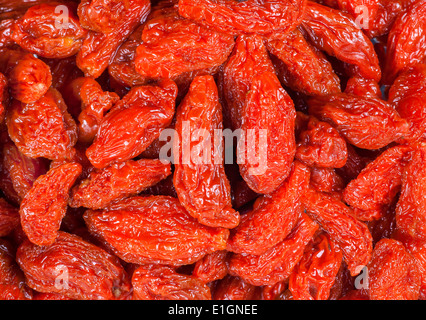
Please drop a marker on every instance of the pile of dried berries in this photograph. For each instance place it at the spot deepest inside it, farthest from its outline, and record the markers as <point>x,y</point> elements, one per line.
<point>325,193</point>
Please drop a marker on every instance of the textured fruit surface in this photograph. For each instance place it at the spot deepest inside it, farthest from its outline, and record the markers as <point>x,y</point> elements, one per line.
<point>213,150</point>
<point>49,30</point>
<point>155,282</point>
<point>43,128</point>
<point>276,263</point>
<point>199,176</point>
<point>154,229</point>
<point>266,151</point>
<point>272,217</point>
<point>393,273</point>
<point>118,181</point>
<point>44,205</point>
<point>367,123</point>
<point>338,35</point>
<point>316,272</point>
<point>134,122</point>
<point>73,267</point>
<point>172,45</point>
<point>252,16</point>
<point>337,219</point>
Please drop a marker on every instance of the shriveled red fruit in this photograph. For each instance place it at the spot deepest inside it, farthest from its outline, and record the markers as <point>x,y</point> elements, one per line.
<point>337,34</point>
<point>406,44</point>
<point>22,170</point>
<point>29,78</point>
<point>44,205</point>
<point>393,273</point>
<point>277,263</point>
<point>366,122</point>
<point>411,206</point>
<point>252,16</point>
<point>9,217</point>
<point>320,145</point>
<point>380,181</point>
<point>156,282</point>
<point>154,229</point>
<point>316,272</point>
<point>121,67</point>
<point>73,267</point>
<point>267,148</point>
<point>273,215</point>
<point>234,288</point>
<point>407,94</point>
<point>105,35</point>
<point>12,280</point>
<point>118,181</point>
<point>3,95</point>
<point>363,87</point>
<point>172,45</point>
<point>199,171</point>
<point>212,267</point>
<point>337,219</point>
<point>249,58</point>
<point>134,122</point>
<point>301,66</point>
<point>44,128</point>
<point>95,102</point>
<point>50,30</point>
<point>326,180</point>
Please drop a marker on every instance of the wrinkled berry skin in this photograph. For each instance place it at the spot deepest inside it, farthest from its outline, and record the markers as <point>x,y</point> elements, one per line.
<point>134,122</point>
<point>73,267</point>
<point>154,229</point>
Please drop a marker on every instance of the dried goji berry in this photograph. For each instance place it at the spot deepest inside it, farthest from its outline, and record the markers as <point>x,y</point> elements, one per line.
<point>3,96</point>
<point>95,103</point>
<point>273,216</point>
<point>156,282</point>
<point>337,34</point>
<point>212,267</point>
<point>336,218</point>
<point>392,272</point>
<point>252,16</point>
<point>248,59</point>
<point>121,67</point>
<point>22,170</point>
<point>407,95</point>
<point>12,280</point>
<point>9,217</point>
<point>379,182</point>
<point>134,122</point>
<point>267,147</point>
<point>49,30</point>
<point>172,45</point>
<point>366,122</point>
<point>98,48</point>
<point>326,180</point>
<point>277,263</point>
<point>315,76</point>
<point>29,78</point>
<point>411,206</point>
<point>73,267</point>
<point>44,128</point>
<point>234,288</point>
<point>406,41</point>
<point>363,87</point>
<point>320,145</point>
<point>316,272</point>
<point>154,229</point>
<point>44,205</point>
<point>118,181</point>
<point>199,176</point>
